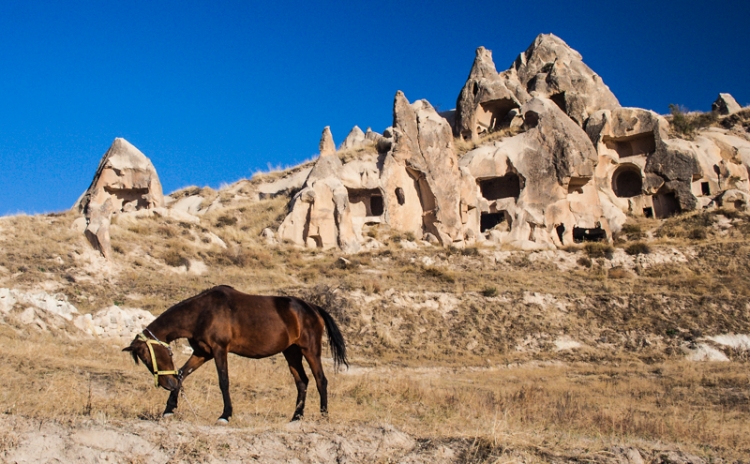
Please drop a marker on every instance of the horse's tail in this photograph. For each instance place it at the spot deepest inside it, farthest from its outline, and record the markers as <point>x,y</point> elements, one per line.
<point>335,338</point>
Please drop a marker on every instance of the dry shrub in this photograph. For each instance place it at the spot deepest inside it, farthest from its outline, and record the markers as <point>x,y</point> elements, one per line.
<point>638,248</point>
<point>441,274</point>
<point>175,259</point>
<point>686,123</point>
<point>372,286</point>
<point>225,220</point>
<point>691,226</point>
<point>598,250</point>
<point>632,231</point>
<point>619,273</point>
<point>489,292</point>
<point>464,146</point>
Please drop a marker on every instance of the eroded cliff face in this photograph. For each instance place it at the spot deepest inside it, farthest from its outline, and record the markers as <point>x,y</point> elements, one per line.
<point>557,161</point>
<point>125,181</point>
<point>549,68</point>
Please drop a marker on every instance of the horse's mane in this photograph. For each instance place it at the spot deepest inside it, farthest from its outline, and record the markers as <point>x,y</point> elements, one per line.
<point>183,303</point>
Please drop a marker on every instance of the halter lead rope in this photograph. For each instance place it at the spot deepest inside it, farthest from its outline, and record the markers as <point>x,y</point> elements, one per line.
<point>150,343</point>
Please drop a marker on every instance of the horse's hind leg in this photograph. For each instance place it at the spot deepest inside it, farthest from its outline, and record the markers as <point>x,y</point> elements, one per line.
<point>194,362</point>
<point>293,356</point>
<point>312,355</point>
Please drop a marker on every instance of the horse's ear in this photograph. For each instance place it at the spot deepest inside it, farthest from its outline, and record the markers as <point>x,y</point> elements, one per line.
<point>132,353</point>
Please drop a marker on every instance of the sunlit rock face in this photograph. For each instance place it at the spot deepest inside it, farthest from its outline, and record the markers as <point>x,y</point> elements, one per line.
<point>125,181</point>
<point>549,68</point>
<point>551,159</point>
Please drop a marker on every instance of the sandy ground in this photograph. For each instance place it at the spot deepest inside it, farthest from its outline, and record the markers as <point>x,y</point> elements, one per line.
<point>32,441</point>
<point>24,440</point>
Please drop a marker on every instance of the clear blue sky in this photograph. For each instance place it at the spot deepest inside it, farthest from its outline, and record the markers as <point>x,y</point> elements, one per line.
<point>213,91</point>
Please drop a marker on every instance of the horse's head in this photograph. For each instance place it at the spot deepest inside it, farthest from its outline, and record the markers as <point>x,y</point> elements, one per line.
<point>157,357</point>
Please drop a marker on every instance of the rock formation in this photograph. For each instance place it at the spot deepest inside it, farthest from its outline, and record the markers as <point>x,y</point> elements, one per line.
<point>125,181</point>
<point>725,104</point>
<point>548,68</point>
<point>557,161</point>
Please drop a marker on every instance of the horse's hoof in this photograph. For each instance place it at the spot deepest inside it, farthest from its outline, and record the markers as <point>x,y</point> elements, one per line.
<point>222,421</point>
<point>167,415</point>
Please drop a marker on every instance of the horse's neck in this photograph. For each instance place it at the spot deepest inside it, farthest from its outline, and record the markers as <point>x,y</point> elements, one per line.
<point>172,325</point>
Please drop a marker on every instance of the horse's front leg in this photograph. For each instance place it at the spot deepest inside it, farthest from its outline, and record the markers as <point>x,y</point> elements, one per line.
<point>222,368</point>
<point>194,362</point>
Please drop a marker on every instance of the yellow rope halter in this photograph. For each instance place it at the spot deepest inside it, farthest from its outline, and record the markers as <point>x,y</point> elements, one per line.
<point>150,343</point>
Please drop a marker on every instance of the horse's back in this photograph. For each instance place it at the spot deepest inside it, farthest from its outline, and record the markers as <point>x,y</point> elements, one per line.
<point>264,325</point>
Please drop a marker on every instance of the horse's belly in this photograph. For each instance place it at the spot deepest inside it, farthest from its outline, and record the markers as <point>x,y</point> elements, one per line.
<point>257,352</point>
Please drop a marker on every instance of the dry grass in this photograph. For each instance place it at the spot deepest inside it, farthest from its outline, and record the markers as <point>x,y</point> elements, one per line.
<point>369,149</point>
<point>464,146</point>
<point>434,331</point>
<point>699,406</point>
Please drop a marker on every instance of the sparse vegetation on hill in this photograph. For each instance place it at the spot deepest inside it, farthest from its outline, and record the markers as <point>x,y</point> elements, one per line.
<point>466,347</point>
<point>685,123</point>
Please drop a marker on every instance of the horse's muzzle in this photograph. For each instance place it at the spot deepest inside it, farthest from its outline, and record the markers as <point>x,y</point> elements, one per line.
<point>171,383</point>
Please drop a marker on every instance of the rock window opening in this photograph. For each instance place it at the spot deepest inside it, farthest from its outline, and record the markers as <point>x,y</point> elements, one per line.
<point>560,229</point>
<point>639,144</point>
<point>490,220</point>
<point>648,212</point>
<point>559,100</point>
<point>376,205</point>
<point>666,205</point>
<point>627,181</point>
<point>575,185</point>
<point>705,188</point>
<point>136,196</point>
<point>400,196</point>
<point>508,186</point>
<point>366,202</point>
<point>596,234</point>
<point>493,115</point>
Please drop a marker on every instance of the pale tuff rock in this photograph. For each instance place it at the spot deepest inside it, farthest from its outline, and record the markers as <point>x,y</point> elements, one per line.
<point>539,182</point>
<point>572,166</point>
<point>548,68</point>
<point>326,146</point>
<point>725,104</point>
<point>125,181</point>
<point>355,139</point>
<point>644,172</point>
<point>320,216</point>
<point>286,184</point>
<point>46,311</point>
<point>423,153</point>
<point>115,322</point>
<point>54,304</point>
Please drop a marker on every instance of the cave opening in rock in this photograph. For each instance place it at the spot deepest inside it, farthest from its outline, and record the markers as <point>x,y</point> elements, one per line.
<point>576,184</point>
<point>493,114</point>
<point>366,202</point>
<point>400,197</point>
<point>496,188</point>
<point>594,234</point>
<point>560,229</point>
<point>490,220</point>
<point>627,181</point>
<point>633,145</point>
<point>666,204</point>
<point>138,197</point>
<point>559,100</point>
<point>705,188</point>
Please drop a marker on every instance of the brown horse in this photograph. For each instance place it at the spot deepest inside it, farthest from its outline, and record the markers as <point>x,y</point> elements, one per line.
<point>222,320</point>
